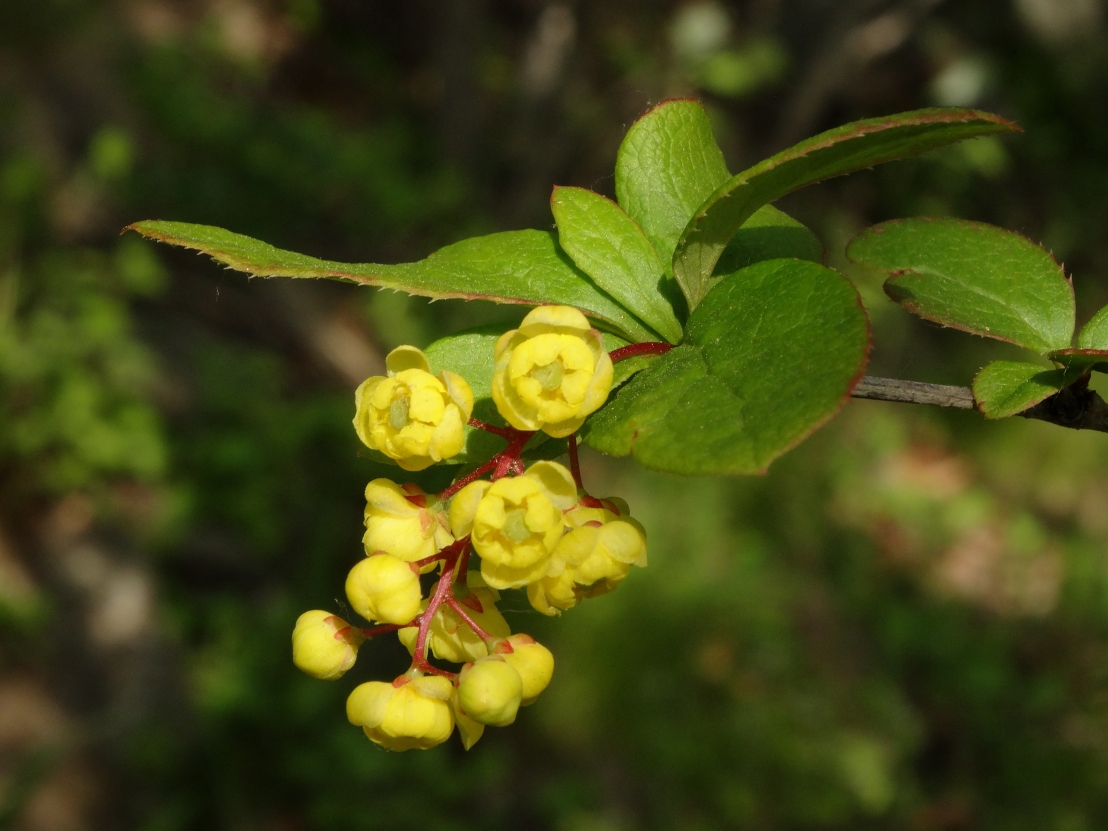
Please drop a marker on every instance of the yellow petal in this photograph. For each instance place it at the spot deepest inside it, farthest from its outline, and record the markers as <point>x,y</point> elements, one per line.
<point>463,507</point>
<point>459,391</point>
<point>406,357</point>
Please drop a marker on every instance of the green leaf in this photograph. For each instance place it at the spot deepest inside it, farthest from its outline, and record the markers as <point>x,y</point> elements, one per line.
<point>1081,360</point>
<point>469,354</point>
<point>1094,334</point>
<point>842,150</point>
<point>770,355</point>
<point>667,165</point>
<point>1092,346</point>
<point>612,249</point>
<point>524,267</point>
<point>1005,388</point>
<point>769,235</point>
<point>974,277</point>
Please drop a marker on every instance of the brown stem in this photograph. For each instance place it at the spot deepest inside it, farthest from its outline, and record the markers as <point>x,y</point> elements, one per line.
<point>1076,407</point>
<point>914,392</point>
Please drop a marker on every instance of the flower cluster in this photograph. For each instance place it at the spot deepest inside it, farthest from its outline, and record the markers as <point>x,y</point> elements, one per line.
<point>530,527</point>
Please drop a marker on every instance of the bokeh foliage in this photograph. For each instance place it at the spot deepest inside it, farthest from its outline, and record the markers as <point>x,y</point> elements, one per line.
<point>904,624</point>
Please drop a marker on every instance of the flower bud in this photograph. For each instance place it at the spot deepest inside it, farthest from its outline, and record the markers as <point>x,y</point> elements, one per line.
<point>450,637</point>
<point>404,521</point>
<point>384,588</point>
<point>490,691</point>
<point>324,645</point>
<point>515,522</point>
<point>531,660</point>
<point>410,415</point>
<point>591,559</point>
<point>415,714</point>
<point>551,372</point>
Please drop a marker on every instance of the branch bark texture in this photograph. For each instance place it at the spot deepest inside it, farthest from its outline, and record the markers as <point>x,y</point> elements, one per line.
<point>1076,407</point>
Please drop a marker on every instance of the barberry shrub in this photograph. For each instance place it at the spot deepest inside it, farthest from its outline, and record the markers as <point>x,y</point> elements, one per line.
<point>689,323</point>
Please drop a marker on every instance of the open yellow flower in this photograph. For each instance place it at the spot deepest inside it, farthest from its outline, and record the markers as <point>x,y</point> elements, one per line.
<point>410,415</point>
<point>591,559</point>
<point>404,522</point>
<point>515,522</point>
<point>324,645</point>
<point>551,372</point>
<point>417,714</point>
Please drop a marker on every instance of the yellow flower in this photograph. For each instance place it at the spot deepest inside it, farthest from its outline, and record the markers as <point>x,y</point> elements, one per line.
<point>489,691</point>
<point>412,416</point>
<point>551,372</point>
<point>515,522</point>
<point>384,588</point>
<point>416,714</point>
<point>591,559</point>
<point>531,660</point>
<point>324,645</point>
<point>404,522</point>
<point>468,730</point>
<point>449,637</point>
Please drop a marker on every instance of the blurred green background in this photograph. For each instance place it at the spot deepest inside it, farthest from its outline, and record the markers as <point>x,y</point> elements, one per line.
<point>904,625</point>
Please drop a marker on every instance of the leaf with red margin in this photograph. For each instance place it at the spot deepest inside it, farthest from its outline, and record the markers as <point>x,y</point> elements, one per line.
<point>769,356</point>
<point>843,150</point>
<point>974,277</point>
<point>524,267</point>
<point>1081,360</point>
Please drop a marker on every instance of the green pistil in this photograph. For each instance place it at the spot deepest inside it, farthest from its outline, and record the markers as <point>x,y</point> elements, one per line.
<point>549,376</point>
<point>398,412</point>
<point>515,528</point>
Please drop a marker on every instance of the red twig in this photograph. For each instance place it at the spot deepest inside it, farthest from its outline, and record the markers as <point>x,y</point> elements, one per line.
<point>381,630</point>
<point>419,656</point>
<point>508,460</point>
<point>634,350</point>
<point>463,565</point>
<point>574,462</point>
<point>508,433</point>
<point>461,612</point>
<point>471,477</point>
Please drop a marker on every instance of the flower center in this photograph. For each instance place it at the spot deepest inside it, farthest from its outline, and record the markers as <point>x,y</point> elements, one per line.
<point>398,412</point>
<point>515,528</point>
<point>549,376</point>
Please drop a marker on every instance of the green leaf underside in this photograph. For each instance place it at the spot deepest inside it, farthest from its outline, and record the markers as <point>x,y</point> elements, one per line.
<point>1094,334</point>
<point>612,249</point>
<point>974,277</point>
<point>1081,360</point>
<point>770,234</point>
<point>834,153</point>
<point>1005,388</point>
<point>524,267</point>
<point>667,165</point>
<point>470,354</point>
<point>770,355</point>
